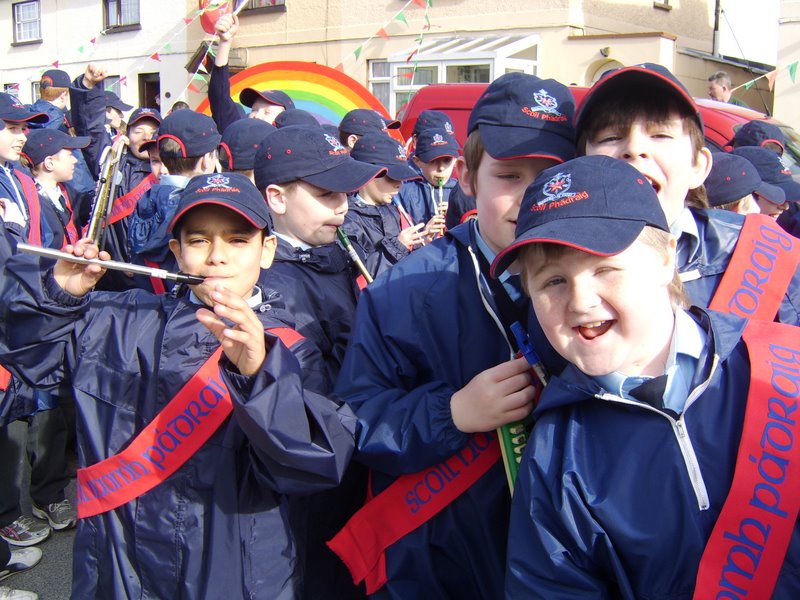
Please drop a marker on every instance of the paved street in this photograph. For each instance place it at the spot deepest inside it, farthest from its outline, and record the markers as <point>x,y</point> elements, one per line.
<point>51,578</point>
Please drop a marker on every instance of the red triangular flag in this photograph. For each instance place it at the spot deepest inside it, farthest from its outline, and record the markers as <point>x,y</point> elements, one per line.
<point>93,40</point>
<point>410,56</point>
<point>382,33</point>
<point>55,64</point>
<point>123,80</point>
<point>154,56</point>
<point>339,67</point>
<point>194,89</point>
<point>771,78</point>
<point>409,75</point>
<point>187,20</point>
<point>421,3</point>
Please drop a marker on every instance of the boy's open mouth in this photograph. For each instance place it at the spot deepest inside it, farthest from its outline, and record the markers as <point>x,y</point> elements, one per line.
<point>590,331</point>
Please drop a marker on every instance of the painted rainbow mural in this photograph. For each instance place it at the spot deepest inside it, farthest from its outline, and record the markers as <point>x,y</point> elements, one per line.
<point>325,92</point>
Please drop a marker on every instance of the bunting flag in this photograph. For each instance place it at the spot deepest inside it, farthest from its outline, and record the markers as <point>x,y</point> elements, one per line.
<point>771,78</point>
<point>155,57</point>
<point>55,64</point>
<point>793,70</point>
<point>401,16</point>
<point>357,52</point>
<point>420,3</point>
<point>382,33</point>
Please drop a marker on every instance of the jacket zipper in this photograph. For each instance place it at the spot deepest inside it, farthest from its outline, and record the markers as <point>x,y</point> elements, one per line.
<point>682,436</point>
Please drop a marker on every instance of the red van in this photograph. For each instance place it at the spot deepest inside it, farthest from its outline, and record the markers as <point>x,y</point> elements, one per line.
<point>721,120</point>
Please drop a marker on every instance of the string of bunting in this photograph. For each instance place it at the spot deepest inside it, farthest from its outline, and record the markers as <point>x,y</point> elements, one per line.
<point>382,32</point>
<point>771,77</point>
<point>89,48</point>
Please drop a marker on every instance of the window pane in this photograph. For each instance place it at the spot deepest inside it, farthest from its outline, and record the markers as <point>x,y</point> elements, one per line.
<point>130,12</point>
<point>422,76</point>
<point>468,74</point>
<point>381,91</point>
<point>26,21</point>
<point>264,3</point>
<point>380,68</point>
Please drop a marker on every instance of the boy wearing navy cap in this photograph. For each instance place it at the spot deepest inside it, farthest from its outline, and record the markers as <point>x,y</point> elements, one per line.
<point>645,116</point>
<point>295,116</point>
<point>771,170</point>
<point>237,150</point>
<point>361,121</point>
<point>631,469</point>
<point>115,117</point>
<point>430,370</point>
<point>761,134</point>
<point>426,199</point>
<point>734,181</point>
<point>187,146</point>
<point>305,176</point>
<point>375,224</point>
<point>201,400</point>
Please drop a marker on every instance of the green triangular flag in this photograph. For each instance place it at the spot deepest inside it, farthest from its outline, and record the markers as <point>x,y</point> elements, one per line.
<point>749,84</point>
<point>168,46</point>
<point>198,76</point>
<point>401,16</point>
<point>80,49</point>
<point>793,70</point>
<point>430,2</point>
<point>357,52</point>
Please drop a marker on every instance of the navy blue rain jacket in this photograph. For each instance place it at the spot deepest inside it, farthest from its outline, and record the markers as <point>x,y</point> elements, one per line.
<point>223,525</point>
<point>420,198</point>
<point>423,330</point>
<point>374,230</point>
<point>224,110</point>
<point>319,288</point>
<point>616,499</point>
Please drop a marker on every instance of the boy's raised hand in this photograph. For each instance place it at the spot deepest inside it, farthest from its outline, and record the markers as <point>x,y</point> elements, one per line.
<point>227,26</point>
<point>494,397</point>
<point>75,278</point>
<point>93,75</point>
<point>243,343</point>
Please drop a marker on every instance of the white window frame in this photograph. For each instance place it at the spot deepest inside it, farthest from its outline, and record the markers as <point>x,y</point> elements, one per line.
<point>19,37</point>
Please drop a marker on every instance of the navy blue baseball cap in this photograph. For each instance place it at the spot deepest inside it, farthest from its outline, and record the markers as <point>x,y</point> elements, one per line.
<point>361,121</point>
<point>758,133</point>
<point>144,113</point>
<point>11,109</point>
<point>42,143</point>
<point>114,101</point>
<point>307,153</point>
<point>54,78</point>
<point>732,177</point>
<point>231,190</point>
<point>435,143</point>
<point>295,116</point>
<point>384,151</point>
<point>195,134</point>
<point>644,75</point>
<point>523,116</point>
<point>240,141</point>
<point>433,119</point>
<point>277,97</point>
<point>771,169</point>
<point>595,204</point>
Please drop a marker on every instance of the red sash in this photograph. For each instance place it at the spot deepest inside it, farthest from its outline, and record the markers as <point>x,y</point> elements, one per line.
<point>70,229</point>
<point>156,282</point>
<point>125,205</point>
<point>168,441</point>
<point>748,544</point>
<point>763,263</point>
<point>31,197</point>
<point>409,502</point>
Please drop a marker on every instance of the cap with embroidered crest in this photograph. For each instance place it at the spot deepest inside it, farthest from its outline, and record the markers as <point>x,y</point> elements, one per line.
<point>307,153</point>
<point>42,143</point>
<point>596,204</point>
<point>361,121</point>
<point>384,151</point>
<point>522,116</point>
<point>195,134</point>
<point>231,190</point>
<point>636,77</point>
<point>11,109</point>
<point>433,143</point>
<point>277,97</point>
<point>435,119</point>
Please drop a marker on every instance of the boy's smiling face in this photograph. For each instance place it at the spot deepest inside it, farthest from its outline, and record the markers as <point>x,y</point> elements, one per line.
<point>224,247</point>
<point>12,139</point>
<point>499,187</point>
<point>605,314</point>
<point>662,152</point>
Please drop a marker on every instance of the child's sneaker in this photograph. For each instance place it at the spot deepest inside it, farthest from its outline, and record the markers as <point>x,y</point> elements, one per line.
<point>6,593</point>
<point>21,559</point>
<point>60,515</point>
<point>25,531</point>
